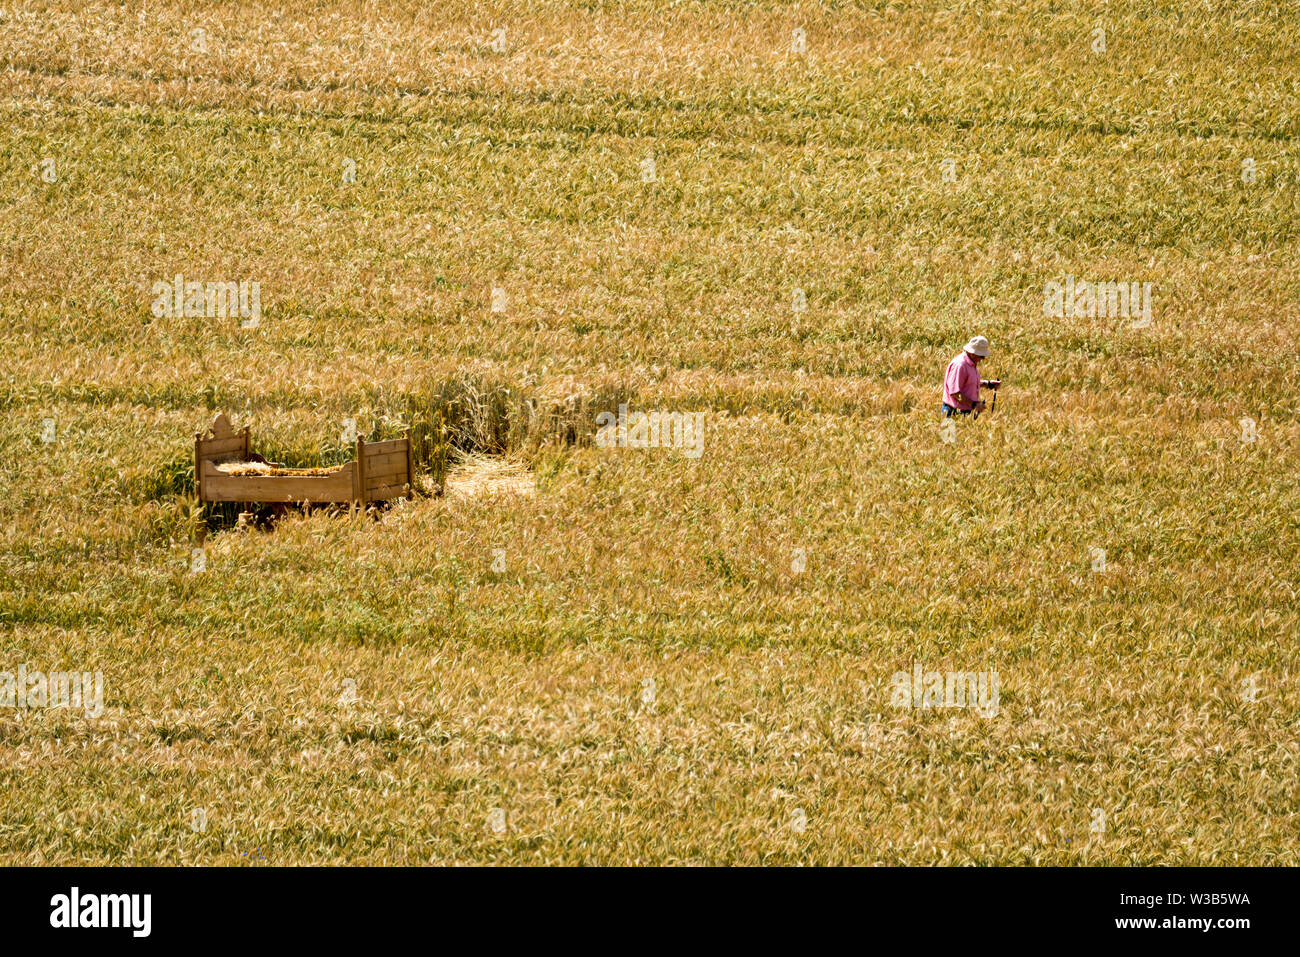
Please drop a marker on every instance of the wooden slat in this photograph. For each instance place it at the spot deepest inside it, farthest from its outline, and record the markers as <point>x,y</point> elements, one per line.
<point>385,492</point>
<point>210,447</point>
<point>359,486</point>
<point>198,466</point>
<point>386,448</point>
<point>383,463</point>
<point>410,468</point>
<point>389,477</point>
<point>335,487</point>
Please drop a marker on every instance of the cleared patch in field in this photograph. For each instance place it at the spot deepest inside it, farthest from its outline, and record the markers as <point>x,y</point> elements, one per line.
<point>476,475</point>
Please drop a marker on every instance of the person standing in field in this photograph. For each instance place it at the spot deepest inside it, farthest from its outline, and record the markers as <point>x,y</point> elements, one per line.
<point>961,383</point>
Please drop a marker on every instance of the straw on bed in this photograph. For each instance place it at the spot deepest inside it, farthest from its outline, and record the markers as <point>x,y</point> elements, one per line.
<point>264,468</point>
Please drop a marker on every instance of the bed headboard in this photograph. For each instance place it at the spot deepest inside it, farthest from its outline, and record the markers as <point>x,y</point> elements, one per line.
<point>218,444</point>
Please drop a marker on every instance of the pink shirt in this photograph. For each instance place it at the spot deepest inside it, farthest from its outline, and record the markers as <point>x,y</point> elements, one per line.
<point>962,376</point>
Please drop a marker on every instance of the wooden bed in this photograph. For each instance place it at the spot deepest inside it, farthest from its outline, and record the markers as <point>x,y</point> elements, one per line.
<point>226,469</point>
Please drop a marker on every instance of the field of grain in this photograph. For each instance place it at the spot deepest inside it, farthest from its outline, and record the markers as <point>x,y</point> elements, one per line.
<point>493,222</point>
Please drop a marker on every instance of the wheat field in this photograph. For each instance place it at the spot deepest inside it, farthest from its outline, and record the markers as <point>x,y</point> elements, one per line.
<point>491,223</point>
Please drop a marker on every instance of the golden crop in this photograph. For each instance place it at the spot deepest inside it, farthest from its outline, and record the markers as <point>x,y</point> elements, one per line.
<point>640,657</point>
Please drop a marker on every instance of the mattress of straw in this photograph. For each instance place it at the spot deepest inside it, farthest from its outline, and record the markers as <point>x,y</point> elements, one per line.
<point>264,468</point>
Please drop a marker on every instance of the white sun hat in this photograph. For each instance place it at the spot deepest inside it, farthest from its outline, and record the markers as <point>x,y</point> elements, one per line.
<point>978,346</point>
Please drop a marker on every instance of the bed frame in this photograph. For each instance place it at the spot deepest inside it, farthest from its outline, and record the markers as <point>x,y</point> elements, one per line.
<point>381,471</point>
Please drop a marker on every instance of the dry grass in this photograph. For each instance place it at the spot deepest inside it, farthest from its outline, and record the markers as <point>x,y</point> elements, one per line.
<point>488,475</point>
<point>653,658</point>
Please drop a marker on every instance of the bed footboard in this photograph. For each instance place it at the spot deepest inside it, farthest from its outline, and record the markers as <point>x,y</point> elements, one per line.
<point>384,470</point>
